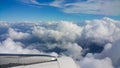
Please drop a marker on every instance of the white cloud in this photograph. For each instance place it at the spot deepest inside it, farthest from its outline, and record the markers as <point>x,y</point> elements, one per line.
<point>30,1</point>
<point>69,37</point>
<point>4,24</point>
<point>71,49</point>
<point>33,2</point>
<point>64,31</point>
<point>57,3</point>
<point>91,62</point>
<point>9,46</point>
<point>102,30</point>
<point>112,51</point>
<point>17,35</point>
<point>106,7</point>
<point>45,34</point>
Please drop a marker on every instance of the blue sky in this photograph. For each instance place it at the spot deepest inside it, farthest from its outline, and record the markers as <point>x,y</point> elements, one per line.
<point>55,10</point>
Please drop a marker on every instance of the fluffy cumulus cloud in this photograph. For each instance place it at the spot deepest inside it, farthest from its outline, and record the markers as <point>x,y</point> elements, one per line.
<point>93,45</point>
<point>102,30</point>
<point>17,35</point>
<point>106,7</point>
<point>71,49</point>
<point>63,31</point>
<point>10,46</point>
<point>112,51</point>
<point>91,62</point>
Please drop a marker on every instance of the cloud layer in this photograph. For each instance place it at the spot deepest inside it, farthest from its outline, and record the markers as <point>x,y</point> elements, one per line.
<point>100,7</point>
<point>93,45</point>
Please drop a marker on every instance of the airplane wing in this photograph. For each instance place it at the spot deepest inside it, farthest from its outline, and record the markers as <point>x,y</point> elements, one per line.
<point>35,61</point>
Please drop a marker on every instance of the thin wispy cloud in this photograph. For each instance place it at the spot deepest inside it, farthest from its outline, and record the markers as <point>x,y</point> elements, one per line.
<point>33,2</point>
<point>106,7</point>
<point>100,7</point>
